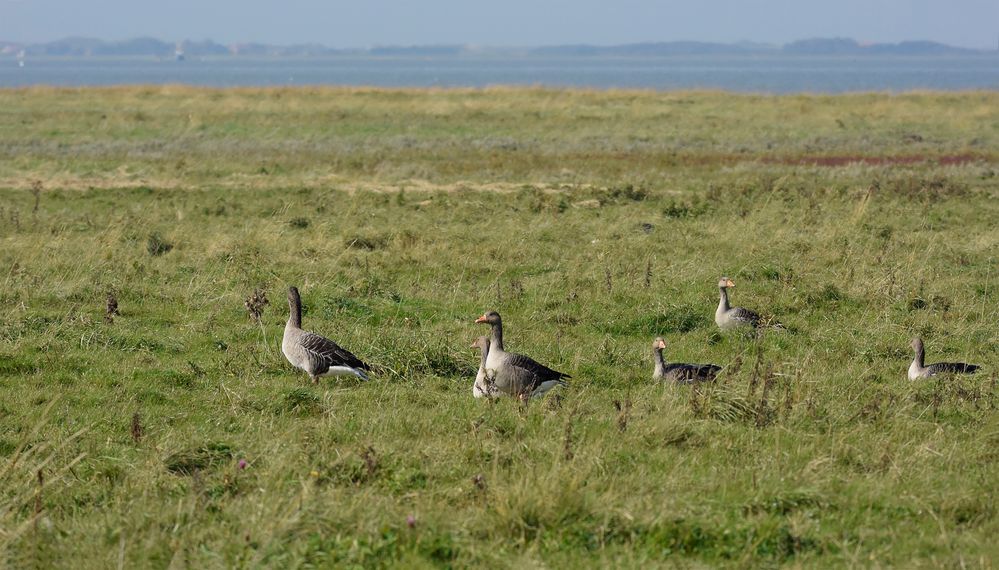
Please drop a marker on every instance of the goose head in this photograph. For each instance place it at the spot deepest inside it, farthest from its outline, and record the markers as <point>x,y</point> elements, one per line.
<point>482,343</point>
<point>725,283</point>
<point>917,344</point>
<point>492,318</point>
<point>659,343</point>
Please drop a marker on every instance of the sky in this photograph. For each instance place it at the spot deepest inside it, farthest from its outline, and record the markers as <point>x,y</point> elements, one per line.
<point>366,23</point>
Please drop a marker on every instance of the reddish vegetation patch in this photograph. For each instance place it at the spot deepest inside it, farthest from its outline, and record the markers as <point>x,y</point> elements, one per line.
<point>844,160</point>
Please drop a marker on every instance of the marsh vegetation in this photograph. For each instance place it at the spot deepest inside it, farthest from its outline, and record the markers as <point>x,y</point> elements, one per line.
<point>148,418</point>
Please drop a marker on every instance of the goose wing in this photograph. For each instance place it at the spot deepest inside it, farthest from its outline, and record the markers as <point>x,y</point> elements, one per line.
<point>952,368</point>
<point>325,353</point>
<point>529,364</point>
<point>688,373</point>
<point>533,373</point>
<point>744,314</point>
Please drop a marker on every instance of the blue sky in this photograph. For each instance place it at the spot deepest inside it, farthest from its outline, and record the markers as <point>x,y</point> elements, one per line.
<point>362,23</point>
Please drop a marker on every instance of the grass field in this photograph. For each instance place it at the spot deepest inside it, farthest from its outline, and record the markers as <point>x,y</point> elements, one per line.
<point>177,436</point>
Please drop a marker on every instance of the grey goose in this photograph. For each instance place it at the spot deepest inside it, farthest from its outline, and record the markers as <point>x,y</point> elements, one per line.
<point>679,372</point>
<point>919,370</point>
<point>515,374</point>
<point>315,354</point>
<point>728,317</point>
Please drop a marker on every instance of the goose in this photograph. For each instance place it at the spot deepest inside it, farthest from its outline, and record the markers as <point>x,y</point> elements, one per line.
<point>918,370</point>
<point>727,317</point>
<point>678,372</point>
<point>515,374</point>
<point>485,386</point>
<point>315,354</point>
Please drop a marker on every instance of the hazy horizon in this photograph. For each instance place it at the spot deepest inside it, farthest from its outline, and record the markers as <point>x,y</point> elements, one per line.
<point>516,23</point>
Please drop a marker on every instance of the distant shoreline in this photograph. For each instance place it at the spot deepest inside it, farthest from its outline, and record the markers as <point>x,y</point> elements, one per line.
<point>152,47</point>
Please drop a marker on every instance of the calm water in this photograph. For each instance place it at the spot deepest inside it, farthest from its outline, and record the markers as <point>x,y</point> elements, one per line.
<point>770,74</point>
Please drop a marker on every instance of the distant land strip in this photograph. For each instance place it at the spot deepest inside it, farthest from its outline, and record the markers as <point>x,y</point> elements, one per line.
<point>152,47</point>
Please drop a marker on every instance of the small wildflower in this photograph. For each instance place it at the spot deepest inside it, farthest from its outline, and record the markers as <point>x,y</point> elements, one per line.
<point>410,521</point>
<point>314,474</point>
<point>242,464</point>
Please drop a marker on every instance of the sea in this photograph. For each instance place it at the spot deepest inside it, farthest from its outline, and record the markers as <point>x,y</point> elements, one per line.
<point>742,73</point>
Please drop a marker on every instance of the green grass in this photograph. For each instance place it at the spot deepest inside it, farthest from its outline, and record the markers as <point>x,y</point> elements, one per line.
<point>593,221</point>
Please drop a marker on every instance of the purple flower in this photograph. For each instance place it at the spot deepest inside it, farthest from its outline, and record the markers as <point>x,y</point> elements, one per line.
<point>410,521</point>
<point>242,464</point>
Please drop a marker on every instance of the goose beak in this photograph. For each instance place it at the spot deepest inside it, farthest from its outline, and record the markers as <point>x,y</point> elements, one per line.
<point>661,344</point>
<point>730,283</point>
<point>481,319</point>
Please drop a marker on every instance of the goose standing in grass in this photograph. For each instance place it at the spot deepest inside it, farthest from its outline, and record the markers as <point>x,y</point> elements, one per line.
<point>727,317</point>
<point>485,386</point>
<point>315,354</point>
<point>918,370</point>
<point>515,374</point>
<point>678,372</point>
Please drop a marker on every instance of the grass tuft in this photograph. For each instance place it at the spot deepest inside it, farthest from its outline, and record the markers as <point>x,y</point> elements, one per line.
<point>156,245</point>
<point>190,461</point>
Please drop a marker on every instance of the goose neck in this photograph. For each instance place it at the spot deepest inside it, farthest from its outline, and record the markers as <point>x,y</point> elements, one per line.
<point>496,336</point>
<point>295,312</point>
<point>723,298</point>
<point>657,356</point>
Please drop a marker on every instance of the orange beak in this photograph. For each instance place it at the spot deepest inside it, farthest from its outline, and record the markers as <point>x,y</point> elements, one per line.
<point>661,344</point>
<point>481,319</point>
<point>730,283</point>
